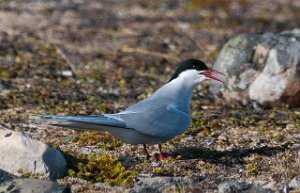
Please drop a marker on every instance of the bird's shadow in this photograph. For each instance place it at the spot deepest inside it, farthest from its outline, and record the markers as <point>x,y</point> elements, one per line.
<point>228,157</point>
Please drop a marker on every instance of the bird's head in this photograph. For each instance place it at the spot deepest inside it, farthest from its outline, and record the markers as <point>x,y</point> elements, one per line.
<point>196,71</point>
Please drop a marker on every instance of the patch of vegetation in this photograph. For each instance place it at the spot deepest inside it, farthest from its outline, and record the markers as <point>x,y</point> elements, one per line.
<point>100,139</point>
<point>253,165</point>
<point>101,168</point>
<point>27,174</point>
<point>166,168</point>
<point>252,168</point>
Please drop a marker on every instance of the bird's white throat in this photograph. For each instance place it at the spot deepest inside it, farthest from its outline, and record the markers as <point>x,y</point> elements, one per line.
<point>179,91</point>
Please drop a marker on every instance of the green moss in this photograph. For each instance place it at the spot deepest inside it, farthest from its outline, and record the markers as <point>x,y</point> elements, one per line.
<point>253,165</point>
<point>252,168</point>
<point>197,123</point>
<point>102,168</point>
<point>278,138</point>
<point>224,158</point>
<point>75,139</point>
<point>167,168</point>
<point>4,73</point>
<point>94,99</point>
<point>209,131</point>
<point>90,138</point>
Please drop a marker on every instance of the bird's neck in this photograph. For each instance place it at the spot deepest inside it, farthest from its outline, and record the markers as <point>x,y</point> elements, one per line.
<point>179,92</point>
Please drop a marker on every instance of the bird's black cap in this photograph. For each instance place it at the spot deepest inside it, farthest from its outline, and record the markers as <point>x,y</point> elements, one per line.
<point>188,65</point>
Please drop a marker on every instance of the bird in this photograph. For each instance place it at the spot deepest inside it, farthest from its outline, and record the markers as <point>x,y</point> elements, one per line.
<point>154,120</point>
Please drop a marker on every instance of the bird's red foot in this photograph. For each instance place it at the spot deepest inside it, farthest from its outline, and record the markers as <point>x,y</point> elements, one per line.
<point>164,156</point>
<point>161,156</point>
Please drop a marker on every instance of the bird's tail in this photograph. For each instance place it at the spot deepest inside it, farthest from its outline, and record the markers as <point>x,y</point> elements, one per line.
<point>93,122</point>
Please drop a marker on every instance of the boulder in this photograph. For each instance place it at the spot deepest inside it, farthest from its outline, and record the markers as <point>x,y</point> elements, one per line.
<point>33,186</point>
<point>238,187</point>
<point>262,69</point>
<point>4,176</point>
<point>19,155</point>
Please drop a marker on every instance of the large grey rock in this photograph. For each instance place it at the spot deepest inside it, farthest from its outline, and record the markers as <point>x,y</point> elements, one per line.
<point>237,187</point>
<point>33,186</point>
<point>263,69</point>
<point>20,154</point>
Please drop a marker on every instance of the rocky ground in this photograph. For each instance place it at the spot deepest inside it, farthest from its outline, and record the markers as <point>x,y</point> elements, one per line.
<point>93,57</point>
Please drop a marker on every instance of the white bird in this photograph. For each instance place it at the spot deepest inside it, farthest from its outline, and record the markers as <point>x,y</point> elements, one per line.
<point>155,120</point>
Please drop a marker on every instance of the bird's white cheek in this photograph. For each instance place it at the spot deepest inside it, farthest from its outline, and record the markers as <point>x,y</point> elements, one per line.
<point>201,79</point>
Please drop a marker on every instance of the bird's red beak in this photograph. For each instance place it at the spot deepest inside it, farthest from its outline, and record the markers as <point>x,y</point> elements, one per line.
<point>209,73</point>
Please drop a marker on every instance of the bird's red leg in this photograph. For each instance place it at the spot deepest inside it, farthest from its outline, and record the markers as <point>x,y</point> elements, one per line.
<point>146,152</point>
<point>162,154</point>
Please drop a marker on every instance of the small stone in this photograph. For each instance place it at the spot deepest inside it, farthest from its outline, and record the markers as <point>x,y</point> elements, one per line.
<point>33,186</point>
<point>165,184</point>
<point>295,183</point>
<point>4,176</point>
<point>233,187</point>
<point>223,138</point>
<point>67,73</point>
<point>145,189</point>
<point>290,126</point>
<point>201,164</point>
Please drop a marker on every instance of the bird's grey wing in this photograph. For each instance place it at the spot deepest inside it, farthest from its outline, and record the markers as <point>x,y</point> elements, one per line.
<point>156,118</point>
<point>80,122</point>
<point>106,122</point>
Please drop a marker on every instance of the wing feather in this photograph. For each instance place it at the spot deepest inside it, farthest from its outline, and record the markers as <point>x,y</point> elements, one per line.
<point>80,122</point>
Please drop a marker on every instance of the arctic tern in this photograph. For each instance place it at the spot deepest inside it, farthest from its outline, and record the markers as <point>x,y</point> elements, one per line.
<point>155,120</point>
